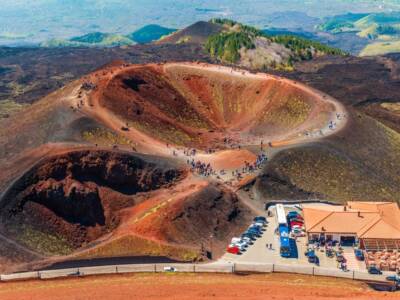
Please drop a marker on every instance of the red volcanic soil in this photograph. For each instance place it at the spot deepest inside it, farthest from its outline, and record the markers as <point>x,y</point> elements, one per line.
<point>228,159</point>
<point>199,106</point>
<point>104,204</point>
<point>193,286</point>
<point>78,195</point>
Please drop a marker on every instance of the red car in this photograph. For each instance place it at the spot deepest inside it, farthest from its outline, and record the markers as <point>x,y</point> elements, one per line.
<point>233,249</point>
<point>294,222</point>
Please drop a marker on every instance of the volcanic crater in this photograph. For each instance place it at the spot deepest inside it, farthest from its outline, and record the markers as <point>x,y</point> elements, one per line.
<point>200,106</point>
<point>75,198</point>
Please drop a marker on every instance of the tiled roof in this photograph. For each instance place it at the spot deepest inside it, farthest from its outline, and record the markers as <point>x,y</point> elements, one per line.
<point>364,219</point>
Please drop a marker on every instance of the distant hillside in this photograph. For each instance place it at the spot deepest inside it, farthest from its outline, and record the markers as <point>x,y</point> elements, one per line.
<point>97,39</point>
<point>250,47</point>
<point>143,35</point>
<point>272,31</point>
<point>150,33</point>
<point>381,30</point>
<point>198,32</point>
<point>341,23</point>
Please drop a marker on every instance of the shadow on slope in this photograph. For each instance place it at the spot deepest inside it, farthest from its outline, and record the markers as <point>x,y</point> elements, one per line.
<point>360,163</point>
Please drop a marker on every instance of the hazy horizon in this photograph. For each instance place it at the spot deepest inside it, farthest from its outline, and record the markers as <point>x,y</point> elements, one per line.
<point>41,20</point>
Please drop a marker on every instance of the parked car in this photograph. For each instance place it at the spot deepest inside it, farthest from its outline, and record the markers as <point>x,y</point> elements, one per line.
<point>374,270</point>
<point>235,240</point>
<point>329,252</point>
<point>395,278</point>
<point>297,219</point>
<point>255,227</point>
<point>248,240</point>
<point>309,252</point>
<point>241,244</point>
<point>250,235</point>
<point>260,224</point>
<point>294,223</point>
<point>254,232</point>
<point>359,254</point>
<point>312,258</point>
<point>260,219</point>
<point>297,231</point>
<point>233,249</point>
<point>241,247</point>
<point>258,227</point>
<point>293,214</point>
<point>340,258</point>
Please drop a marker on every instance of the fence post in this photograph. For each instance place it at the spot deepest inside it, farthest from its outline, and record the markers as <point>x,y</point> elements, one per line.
<point>313,270</point>
<point>116,269</point>
<point>194,268</point>
<point>233,268</point>
<point>155,268</point>
<point>353,274</point>
<point>273,268</point>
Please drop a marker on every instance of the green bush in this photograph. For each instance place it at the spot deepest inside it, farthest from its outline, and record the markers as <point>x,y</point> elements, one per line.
<point>226,46</point>
<point>302,47</point>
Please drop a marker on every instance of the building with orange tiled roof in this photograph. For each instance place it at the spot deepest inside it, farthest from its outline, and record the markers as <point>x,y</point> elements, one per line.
<point>374,225</point>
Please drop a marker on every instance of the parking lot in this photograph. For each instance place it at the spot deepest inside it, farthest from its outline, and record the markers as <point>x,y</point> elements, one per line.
<point>260,251</point>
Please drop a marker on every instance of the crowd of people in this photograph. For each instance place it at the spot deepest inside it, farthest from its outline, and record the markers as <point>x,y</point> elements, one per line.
<point>205,169</point>
<point>201,168</point>
<point>250,167</point>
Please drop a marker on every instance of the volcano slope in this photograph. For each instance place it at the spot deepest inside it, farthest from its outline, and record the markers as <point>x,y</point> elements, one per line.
<point>92,203</point>
<point>201,105</point>
<point>75,186</point>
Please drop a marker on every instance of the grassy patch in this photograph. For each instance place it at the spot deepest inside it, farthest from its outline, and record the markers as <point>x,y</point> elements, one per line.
<point>290,114</point>
<point>380,48</point>
<point>132,245</point>
<point>184,39</point>
<point>165,132</point>
<point>63,76</point>
<point>104,137</point>
<point>42,242</point>
<point>9,107</point>
<point>20,89</point>
<point>361,163</point>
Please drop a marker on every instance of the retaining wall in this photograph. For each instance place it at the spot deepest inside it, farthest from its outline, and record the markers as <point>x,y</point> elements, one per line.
<point>194,268</point>
<point>297,269</point>
<point>256,268</point>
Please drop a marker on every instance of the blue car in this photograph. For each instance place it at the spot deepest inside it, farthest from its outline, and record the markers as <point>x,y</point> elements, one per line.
<point>260,219</point>
<point>254,232</point>
<point>255,228</point>
<point>251,236</point>
<point>359,254</point>
<point>394,278</point>
<point>374,270</point>
<point>292,214</point>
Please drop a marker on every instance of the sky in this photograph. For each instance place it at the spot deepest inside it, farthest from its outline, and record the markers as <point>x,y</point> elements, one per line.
<point>35,21</point>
